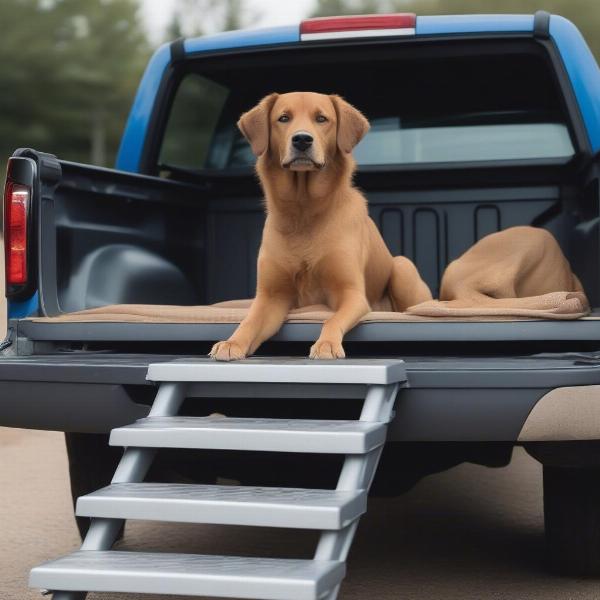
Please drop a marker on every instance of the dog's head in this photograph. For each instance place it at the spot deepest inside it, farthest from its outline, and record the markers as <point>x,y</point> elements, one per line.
<point>303,131</point>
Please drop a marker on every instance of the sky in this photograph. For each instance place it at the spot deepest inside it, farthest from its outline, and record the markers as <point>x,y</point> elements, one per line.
<point>157,13</point>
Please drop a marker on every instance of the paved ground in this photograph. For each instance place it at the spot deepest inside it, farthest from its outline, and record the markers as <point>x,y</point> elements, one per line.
<point>469,533</point>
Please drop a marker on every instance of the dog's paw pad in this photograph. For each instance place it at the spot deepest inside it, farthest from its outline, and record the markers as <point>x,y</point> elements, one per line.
<point>227,351</point>
<point>325,350</point>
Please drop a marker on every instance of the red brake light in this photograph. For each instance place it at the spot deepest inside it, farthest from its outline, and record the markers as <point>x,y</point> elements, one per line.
<point>16,210</point>
<point>358,26</point>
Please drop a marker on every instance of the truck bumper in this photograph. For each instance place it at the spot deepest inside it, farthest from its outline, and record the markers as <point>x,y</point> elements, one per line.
<point>488,399</point>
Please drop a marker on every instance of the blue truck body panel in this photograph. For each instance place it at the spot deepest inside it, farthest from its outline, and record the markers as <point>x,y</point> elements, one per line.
<point>583,72</point>
<point>134,136</point>
<point>23,308</point>
<point>242,39</point>
<point>580,64</point>
<point>462,24</point>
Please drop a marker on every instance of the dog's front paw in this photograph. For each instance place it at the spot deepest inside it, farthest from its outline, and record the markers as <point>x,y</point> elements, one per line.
<point>324,349</point>
<point>227,351</point>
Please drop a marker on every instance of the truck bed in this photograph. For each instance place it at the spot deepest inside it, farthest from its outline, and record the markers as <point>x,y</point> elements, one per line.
<point>117,238</point>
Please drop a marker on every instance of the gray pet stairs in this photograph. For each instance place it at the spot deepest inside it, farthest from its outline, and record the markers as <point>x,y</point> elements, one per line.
<point>95,567</point>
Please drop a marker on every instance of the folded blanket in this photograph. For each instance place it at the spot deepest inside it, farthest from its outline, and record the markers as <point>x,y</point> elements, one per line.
<point>520,271</point>
<point>556,305</point>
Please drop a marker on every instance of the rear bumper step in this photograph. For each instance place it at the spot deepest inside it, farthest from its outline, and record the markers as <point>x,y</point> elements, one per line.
<point>448,399</point>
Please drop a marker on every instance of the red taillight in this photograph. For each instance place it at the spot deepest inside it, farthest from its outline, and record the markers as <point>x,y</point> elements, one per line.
<point>358,26</point>
<point>16,210</point>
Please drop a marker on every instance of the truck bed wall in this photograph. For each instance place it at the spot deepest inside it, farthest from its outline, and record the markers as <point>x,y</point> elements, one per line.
<point>432,228</point>
<point>143,240</point>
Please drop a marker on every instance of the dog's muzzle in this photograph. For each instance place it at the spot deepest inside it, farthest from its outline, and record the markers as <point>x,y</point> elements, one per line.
<point>301,153</point>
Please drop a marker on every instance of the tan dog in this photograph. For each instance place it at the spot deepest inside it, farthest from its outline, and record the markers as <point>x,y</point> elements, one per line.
<point>505,269</point>
<point>319,245</point>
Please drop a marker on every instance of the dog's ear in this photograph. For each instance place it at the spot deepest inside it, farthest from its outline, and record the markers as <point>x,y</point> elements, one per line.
<point>352,125</point>
<point>254,124</point>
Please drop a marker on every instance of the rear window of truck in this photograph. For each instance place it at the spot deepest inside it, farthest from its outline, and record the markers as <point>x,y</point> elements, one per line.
<point>422,110</point>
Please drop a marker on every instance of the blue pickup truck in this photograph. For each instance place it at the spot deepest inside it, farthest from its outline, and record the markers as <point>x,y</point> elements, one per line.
<point>479,123</point>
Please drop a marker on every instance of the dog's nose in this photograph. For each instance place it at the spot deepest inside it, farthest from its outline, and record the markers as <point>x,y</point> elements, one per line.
<point>302,141</point>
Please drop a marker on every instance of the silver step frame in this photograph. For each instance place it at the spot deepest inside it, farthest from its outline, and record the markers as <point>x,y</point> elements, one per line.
<point>378,380</point>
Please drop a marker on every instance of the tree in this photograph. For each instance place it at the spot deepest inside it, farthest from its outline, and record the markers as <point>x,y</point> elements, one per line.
<point>329,8</point>
<point>69,72</point>
<point>584,13</point>
<point>201,17</point>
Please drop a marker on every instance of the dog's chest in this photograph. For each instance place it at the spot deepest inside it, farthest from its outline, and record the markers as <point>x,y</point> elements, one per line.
<point>304,255</point>
<point>309,289</point>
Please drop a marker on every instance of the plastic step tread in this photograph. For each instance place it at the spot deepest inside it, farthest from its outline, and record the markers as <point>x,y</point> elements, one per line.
<point>226,505</point>
<point>189,574</point>
<point>274,435</point>
<point>362,371</point>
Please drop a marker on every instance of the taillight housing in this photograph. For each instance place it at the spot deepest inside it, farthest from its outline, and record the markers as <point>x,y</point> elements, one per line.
<point>18,208</point>
<point>351,26</point>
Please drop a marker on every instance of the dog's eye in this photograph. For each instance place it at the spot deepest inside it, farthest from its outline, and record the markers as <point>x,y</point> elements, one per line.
<point>321,119</point>
<point>283,119</point>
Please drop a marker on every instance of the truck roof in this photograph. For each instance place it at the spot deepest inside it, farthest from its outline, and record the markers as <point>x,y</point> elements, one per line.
<point>580,65</point>
<point>427,25</point>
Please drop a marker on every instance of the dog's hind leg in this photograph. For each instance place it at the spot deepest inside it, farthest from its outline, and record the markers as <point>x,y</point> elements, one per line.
<point>406,288</point>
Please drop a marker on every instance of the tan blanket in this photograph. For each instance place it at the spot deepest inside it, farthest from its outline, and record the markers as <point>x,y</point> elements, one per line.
<point>520,271</point>
<point>557,305</point>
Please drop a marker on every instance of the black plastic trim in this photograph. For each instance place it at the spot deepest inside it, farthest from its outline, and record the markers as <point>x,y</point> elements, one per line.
<point>462,414</point>
<point>158,119</point>
<point>541,25</point>
<point>83,407</point>
<point>543,371</point>
<point>177,50</point>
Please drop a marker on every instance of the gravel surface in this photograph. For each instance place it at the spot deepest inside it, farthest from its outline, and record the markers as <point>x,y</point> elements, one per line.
<point>469,533</point>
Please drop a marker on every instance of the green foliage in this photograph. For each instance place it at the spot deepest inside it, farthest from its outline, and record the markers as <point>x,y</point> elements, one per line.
<point>201,17</point>
<point>69,72</point>
<point>70,69</point>
<point>330,8</point>
<point>584,13</point>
